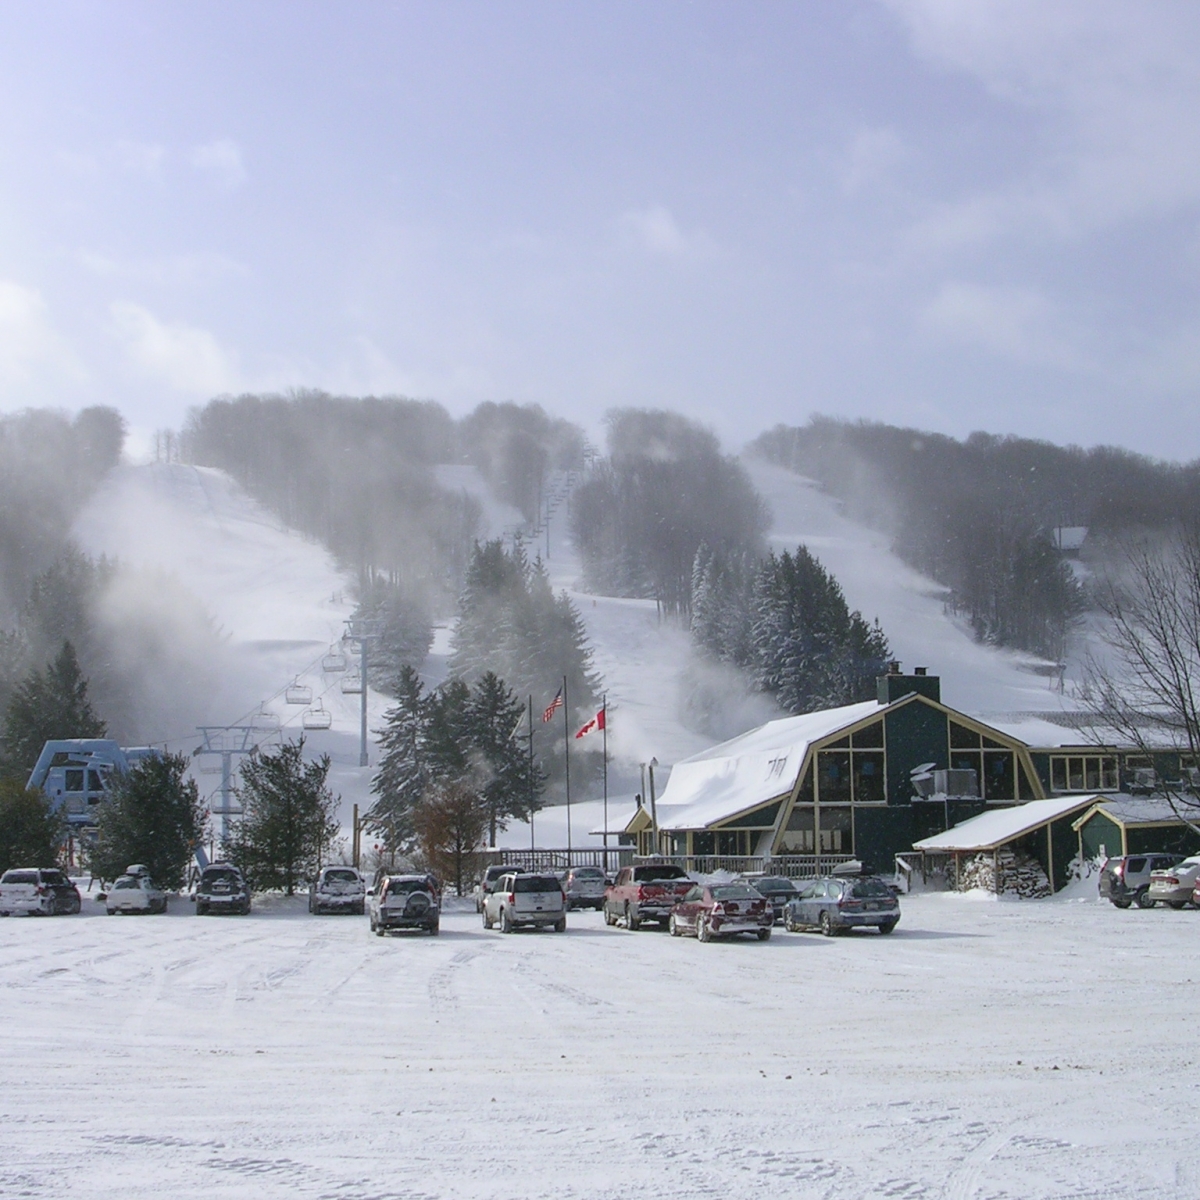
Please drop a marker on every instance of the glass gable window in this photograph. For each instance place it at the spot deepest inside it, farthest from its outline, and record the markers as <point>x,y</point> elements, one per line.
<point>962,738</point>
<point>999,775</point>
<point>870,737</point>
<point>851,770</point>
<point>800,837</point>
<point>833,776</point>
<point>836,832</point>
<point>868,778</point>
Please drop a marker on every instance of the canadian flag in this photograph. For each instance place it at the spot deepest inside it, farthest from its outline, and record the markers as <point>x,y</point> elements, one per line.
<point>597,722</point>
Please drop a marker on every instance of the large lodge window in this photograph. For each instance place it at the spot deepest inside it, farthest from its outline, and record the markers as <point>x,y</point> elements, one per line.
<point>836,833</point>
<point>1084,773</point>
<point>851,770</point>
<point>994,764</point>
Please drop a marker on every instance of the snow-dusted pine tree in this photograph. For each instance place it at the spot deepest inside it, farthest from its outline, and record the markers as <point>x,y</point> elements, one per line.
<point>404,768</point>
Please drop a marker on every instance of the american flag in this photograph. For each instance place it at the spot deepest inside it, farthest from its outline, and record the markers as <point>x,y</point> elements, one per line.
<point>552,707</point>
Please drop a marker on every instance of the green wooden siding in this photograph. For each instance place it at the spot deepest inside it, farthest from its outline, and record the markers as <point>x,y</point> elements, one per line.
<point>880,834</point>
<point>916,733</point>
<point>1097,831</point>
<point>1166,839</point>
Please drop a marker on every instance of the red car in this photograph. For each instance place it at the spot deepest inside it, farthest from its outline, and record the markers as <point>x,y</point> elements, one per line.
<point>720,909</point>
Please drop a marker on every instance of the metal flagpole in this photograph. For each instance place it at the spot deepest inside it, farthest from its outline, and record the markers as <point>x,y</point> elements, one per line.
<point>567,762</point>
<point>532,843</point>
<point>604,743</point>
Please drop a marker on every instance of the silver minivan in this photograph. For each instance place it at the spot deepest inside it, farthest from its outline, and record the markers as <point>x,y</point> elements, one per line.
<point>584,887</point>
<point>526,899</point>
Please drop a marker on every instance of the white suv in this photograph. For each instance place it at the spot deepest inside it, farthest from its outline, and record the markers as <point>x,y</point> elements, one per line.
<point>526,899</point>
<point>403,902</point>
<point>337,889</point>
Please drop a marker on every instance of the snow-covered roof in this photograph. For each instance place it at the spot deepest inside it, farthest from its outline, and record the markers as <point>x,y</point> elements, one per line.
<point>1143,810</point>
<point>1071,732</point>
<point>620,813</point>
<point>992,829</point>
<point>750,769</point>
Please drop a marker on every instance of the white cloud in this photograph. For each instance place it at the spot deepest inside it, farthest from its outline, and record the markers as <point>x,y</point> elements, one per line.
<point>221,161</point>
<point>29,344</point>
<point>655,230</point>
<point>1114,86</point>
<point>185,357</point>
<point>1014,322</point>
<point>873,154</point>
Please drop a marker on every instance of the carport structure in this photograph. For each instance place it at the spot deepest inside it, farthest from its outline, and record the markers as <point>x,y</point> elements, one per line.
<point>1044,827</point>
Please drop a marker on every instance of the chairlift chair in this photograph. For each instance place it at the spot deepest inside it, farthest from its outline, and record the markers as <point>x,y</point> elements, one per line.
<point>352,685</point>
<point>265,718</point>
<point>298,693</point>
<point>317,718</point>
<point>334,661</point>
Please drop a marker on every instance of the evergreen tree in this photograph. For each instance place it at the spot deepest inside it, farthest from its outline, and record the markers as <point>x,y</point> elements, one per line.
<point>810,649</point>
<point>640,516</point>
<point>493,716</point>
<point>452,733</point>
<point>289,817</point>
<point>31,832</point>
<point>785,620</point>
<point>405,631</point>
<point>448,731</point>
<point>153,816</point>
<point>403,771</point>
<point>512,624</point>
<point>46,705</point>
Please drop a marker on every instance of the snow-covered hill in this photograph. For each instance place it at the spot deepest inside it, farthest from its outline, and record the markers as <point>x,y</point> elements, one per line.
<point>977,678</point>
<point>278,601</point>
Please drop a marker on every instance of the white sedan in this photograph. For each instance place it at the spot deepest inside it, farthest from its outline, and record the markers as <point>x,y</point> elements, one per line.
<point>135,894</point>
<point>1173,886</point>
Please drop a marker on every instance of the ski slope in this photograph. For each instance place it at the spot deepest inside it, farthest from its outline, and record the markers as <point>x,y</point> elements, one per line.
<point>277,601</point>
<point>976,678</point>
<point>1038,1049</point>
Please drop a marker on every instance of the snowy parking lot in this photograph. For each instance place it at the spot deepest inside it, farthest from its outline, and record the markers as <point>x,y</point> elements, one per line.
<point>990,1050</point>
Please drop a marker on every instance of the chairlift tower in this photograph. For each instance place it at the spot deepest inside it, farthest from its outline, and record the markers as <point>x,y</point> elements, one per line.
<point>226,741</point>
<point>364,631</point>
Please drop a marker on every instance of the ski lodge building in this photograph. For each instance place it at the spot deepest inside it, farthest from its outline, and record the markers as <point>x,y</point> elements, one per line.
<point>869,780</point>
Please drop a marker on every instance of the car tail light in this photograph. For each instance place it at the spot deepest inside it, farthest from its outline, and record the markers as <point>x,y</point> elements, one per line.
<point>43,890</point>
<point>851,904</point>
<point>512,899</point>
<point>1171,880</point>
<point>718,910</point>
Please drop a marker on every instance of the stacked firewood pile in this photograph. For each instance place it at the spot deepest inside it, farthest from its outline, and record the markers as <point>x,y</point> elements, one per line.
<point>1020,875</point>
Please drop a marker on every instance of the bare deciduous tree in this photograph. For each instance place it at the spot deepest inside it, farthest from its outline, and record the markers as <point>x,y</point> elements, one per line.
<point>1149,694</point>
<point>449,823</point>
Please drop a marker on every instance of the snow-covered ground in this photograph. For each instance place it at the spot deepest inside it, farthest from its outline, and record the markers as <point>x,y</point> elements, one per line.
<point>1042,1050</point>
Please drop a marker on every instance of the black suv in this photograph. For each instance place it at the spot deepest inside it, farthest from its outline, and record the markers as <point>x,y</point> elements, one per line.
<point>222,888</point>
<point>1126,880</point>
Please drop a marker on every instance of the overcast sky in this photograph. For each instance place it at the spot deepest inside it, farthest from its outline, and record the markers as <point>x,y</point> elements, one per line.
<point>956,214</point>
